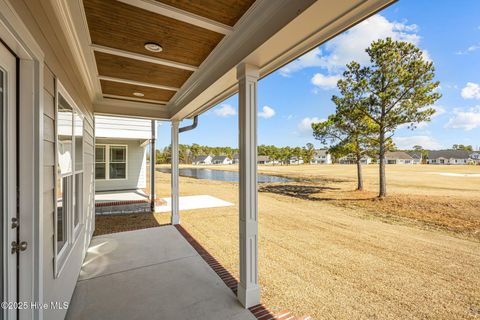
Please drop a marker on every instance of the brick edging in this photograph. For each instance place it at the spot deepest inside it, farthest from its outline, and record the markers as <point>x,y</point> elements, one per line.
<point>261,312</point>
<point>119,203</point>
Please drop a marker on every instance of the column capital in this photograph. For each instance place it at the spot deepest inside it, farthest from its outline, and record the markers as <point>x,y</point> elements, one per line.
<point>247,70</point>
<point>175,123</point>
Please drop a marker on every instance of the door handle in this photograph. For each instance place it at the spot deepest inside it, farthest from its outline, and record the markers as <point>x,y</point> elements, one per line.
<point>14,222</point>
<point>18,247</point>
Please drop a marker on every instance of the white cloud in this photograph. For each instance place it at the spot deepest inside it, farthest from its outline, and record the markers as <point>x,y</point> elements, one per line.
<point>325,82</point>
<point>470,49</point>
<point>351,45</point>
<point>266,112</point>
<point>425,141</point>
<point>305,126</point>
<point>466,120</point>
<point>225,110</point>
<point>310,59</point>
<point>471,91</point>
<point>439,110</point>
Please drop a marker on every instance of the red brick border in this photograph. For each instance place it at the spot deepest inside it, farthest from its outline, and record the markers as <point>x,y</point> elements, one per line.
<point>261,312</point>
<point>119,203</point>
<point>160,202</point>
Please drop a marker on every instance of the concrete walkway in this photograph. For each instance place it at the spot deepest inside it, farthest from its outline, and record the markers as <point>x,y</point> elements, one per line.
<point>150,274</point>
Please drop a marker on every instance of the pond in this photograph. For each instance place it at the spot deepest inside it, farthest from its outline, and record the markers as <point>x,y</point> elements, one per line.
<point>222,175</point>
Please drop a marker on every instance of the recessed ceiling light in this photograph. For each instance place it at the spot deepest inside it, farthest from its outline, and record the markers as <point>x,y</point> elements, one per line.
<point>153,47</point>
<point>138,94</point>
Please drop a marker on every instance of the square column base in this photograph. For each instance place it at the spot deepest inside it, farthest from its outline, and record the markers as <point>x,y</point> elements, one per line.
<point>175,219</point>
<point>248,297</point>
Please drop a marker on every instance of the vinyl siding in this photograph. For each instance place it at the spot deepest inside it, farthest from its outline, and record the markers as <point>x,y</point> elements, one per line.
<point>61,288</point>
<point>136,167</point>
<point>122,128</point>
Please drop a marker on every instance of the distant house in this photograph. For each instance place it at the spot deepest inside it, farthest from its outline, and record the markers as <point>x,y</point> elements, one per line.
<point>350,159</point>
<point>475,156</point>
<point>236,159</point>
<point>416,156</point>
<point>264,160</point>
<point>221,160</point>
<point>202,159</point>
<point>295,160</point>
<point>453,157</point>
<point>399,157</point>
<point>321,157</point>
<point>120,153</point>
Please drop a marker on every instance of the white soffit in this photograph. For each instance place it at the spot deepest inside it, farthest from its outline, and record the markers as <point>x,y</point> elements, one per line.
<point>320,22</point>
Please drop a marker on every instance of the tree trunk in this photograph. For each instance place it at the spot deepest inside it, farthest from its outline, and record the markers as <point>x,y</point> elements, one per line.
<point>383,182</point>
<point>359,174</point>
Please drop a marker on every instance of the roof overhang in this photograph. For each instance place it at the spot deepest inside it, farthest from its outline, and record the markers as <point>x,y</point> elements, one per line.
<point>269,35</point>
<point>321,21</point>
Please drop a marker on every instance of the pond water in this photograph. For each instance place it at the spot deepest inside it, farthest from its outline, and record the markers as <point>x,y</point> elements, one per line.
<point>222,175</point>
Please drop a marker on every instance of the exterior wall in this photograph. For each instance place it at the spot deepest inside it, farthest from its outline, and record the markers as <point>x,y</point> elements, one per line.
<point>58,65</point>
<point>136,167</point>
<point>122,128</point>
<point>322,159</point>
<point>448,161</point>
<point>61,288</point>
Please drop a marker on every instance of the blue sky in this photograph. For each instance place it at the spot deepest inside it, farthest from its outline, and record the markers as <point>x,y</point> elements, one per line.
<point>294,96</point>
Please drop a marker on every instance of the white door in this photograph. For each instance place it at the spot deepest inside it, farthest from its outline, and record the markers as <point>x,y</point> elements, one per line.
<point>8,187</point>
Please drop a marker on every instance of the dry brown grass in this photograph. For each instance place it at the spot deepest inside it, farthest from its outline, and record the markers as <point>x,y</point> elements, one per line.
<point>330,252</point>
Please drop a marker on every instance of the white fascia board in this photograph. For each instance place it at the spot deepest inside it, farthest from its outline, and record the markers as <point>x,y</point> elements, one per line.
<point>280,36</point>
<point>131,109</point>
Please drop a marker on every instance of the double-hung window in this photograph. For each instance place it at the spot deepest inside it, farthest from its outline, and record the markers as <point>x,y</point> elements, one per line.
<point>110,162</point>
<point>69,175</point>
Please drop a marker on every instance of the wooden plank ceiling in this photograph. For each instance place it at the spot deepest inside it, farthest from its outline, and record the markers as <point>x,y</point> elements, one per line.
<point>119,32</point>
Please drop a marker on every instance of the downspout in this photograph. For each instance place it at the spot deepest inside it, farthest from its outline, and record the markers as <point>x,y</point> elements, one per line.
<point>190,127</point>
<point>153,161</point>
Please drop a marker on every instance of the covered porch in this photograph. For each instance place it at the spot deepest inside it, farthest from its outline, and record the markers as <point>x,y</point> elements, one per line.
<point>170,61</point>
<point>156,60</point>
<point>156,273</point>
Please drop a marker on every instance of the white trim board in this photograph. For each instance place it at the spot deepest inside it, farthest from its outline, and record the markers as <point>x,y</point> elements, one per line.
<point>142,57</point>
<point>179,14</point>
<point>17,37</point>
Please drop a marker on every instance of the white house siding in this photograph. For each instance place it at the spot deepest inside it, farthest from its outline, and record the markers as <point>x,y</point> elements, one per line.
<point>122,128</point>
<point>61,288</point>
<point>136,166</point>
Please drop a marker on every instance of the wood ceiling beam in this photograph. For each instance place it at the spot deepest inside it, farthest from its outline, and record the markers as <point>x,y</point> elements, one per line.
<point>114,96</point>
<point>181,15</point>
<point>142,57</point>
<point>137,83</point>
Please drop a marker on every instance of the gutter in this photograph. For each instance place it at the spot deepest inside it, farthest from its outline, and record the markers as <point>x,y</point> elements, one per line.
<point>190,127</point>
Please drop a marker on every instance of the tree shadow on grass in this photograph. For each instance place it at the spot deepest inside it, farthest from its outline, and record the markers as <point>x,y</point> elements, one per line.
<point>304,192</point>
<point>313,193</point>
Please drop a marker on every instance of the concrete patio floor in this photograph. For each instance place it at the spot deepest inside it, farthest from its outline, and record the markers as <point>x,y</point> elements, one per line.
<point>150,274</point>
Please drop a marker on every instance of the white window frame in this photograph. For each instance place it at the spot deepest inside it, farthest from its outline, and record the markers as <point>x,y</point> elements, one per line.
<point>107,160</point>
<point>72,233</point>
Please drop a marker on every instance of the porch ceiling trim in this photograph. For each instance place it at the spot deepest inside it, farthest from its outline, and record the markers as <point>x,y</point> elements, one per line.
<point>138,83</point>
<point>179,14</point>
<point>142,110</point>
<point>264,19</point>
<point>142,57</point>
<point>114,96</point>
<point>78,37</point>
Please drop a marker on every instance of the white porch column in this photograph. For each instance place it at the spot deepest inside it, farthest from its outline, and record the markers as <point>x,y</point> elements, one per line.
<point>248,288</point>
<point>153,158</point>
<point>175,174</point>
